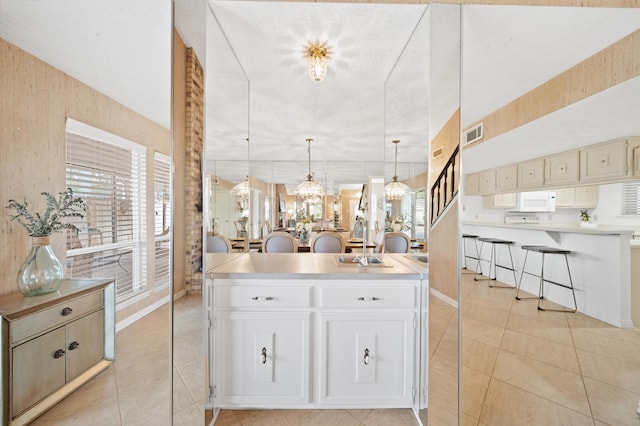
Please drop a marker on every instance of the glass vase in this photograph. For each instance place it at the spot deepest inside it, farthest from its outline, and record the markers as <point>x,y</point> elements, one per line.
<point>41,272</point>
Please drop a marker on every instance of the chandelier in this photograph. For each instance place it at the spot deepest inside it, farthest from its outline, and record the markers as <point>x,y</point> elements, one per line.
<point>396,190</point>
<point>309,189</point>
<point>317,56</point>
<point>242,189</point>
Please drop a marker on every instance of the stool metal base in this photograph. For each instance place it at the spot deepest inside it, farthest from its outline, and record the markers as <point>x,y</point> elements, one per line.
<point>492,261</point>
<point>546,250</point>
<point>464,249</point>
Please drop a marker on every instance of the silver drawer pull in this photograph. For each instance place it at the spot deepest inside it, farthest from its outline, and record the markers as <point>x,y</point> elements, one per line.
<point>366,356</point>
<point>66,311</point>
<point>263,355</point>
<point>262,298</point>
<point>368,299</point>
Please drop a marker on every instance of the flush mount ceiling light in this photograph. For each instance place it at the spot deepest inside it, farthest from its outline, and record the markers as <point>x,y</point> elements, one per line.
<point>317,57</point>
<point>309,189</point>
<point>396,190</point>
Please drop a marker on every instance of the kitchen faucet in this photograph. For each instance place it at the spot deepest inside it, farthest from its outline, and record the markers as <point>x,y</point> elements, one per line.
<point>362,260</point>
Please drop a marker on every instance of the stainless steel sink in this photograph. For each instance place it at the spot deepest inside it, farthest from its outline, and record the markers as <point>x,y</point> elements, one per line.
<point>422,258</point>
<point>352,260</point>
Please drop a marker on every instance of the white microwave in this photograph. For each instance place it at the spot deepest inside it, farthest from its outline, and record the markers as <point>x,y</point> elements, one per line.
<point>536,201</point>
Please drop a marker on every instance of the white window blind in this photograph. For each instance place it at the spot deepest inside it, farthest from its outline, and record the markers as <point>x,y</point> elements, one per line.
<point>162,219</point>
<point>109,174</point>
<point>631,198</point>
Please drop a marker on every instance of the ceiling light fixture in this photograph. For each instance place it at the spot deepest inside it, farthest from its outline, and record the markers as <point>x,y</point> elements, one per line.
<point>396,190</point>
<point>309,189</point>
<point>317,56</point>
<point>242,190</point>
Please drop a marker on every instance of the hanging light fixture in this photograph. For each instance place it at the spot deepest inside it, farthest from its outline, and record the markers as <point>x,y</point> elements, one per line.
<point>309,189</point>
<point>242,189</point>
<point>396,190</point>
<point>317,56</point>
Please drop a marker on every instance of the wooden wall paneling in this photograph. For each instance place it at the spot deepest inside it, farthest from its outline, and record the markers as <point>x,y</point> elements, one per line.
<point>443,261</point>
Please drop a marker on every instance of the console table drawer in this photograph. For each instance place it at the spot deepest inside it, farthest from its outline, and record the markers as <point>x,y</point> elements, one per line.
<point>54,316</point>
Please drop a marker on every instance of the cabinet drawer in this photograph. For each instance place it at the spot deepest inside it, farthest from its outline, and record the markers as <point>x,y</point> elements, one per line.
<point>56,315</point>
<point>368,297</point>
<point>265,296</point>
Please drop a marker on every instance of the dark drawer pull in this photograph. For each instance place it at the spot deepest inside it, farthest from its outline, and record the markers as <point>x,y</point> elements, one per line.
<point>58,354</point>
<point>73,345</point>
<point>66,311</point>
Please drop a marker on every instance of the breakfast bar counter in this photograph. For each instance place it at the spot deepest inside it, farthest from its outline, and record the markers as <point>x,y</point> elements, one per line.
<point>599,262</point>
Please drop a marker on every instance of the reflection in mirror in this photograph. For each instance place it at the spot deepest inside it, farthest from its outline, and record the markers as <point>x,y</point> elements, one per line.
<point>548,100</point>
<point>109,73</point>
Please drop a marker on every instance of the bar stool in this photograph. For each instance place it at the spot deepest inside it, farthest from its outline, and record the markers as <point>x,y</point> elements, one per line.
<point>547,250</point>
<point>492,261</point>
<point>466,237</point>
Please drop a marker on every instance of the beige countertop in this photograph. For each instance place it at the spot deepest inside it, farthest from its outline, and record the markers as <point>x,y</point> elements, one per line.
<point>312,266</point>
<point>600,229</point>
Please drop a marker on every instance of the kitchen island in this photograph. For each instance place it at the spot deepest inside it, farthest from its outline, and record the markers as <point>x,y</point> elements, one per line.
<point>306,331</point>
<point>600,264</point>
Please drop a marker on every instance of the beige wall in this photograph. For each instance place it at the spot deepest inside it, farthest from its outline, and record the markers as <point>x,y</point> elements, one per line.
<point>36,99</point>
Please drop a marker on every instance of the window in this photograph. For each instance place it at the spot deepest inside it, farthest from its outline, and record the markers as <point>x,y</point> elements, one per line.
<point>631,198</point>
<point>162,219</point>
<point>109,173</point>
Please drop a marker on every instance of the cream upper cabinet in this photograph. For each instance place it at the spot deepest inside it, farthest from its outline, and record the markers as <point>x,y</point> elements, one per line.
<point>603,161</point>
<point>531,174</point>
<point>471,182</point>
<point>565,197</point>
<point>487,182</point>
<point>563,168</point>
<point>636,161</point>
<point>507,178</point>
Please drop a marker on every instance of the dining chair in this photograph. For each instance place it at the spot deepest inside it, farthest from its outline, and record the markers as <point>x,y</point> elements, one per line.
<point>396,242</point>
<point>218,244</point>
<point>327,242</point>
<point>379,242</point>
<point>279,242</point>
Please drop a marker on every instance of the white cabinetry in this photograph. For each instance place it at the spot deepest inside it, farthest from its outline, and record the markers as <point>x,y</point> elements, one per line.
<point>57,342</point>
<point>353,342</point>
<point>263,333</point>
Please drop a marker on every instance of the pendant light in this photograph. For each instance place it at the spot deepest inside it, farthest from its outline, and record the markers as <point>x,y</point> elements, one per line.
<point>396,190</point>
<point>309,189</point>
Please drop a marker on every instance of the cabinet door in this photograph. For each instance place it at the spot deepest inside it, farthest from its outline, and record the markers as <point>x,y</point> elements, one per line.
<point>563,168</point>
<point>565,197</point>
<point>262,359</point>
<point>37,369</point>
<point>85,343</point>
<point>507,178</point>
<point>366,360</point>
<point>531,174</point>
<point>586,196</point>
<point>603,162</point>
<point>636,161</point>
<point>487,182</point>
<point>499,201</point>
<point>471,182</point>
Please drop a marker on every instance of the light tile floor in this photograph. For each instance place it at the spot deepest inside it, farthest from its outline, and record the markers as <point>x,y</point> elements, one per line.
<point>520,366</point>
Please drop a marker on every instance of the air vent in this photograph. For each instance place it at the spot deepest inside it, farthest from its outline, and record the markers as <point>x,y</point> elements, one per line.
<point>472,135</point>
<point>437,153</point>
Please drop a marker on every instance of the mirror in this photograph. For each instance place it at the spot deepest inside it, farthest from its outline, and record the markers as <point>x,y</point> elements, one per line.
<point>521,67</point>
<point>106,64</point>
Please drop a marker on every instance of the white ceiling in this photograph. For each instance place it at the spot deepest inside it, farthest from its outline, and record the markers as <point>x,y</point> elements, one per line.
<point>123,49</point>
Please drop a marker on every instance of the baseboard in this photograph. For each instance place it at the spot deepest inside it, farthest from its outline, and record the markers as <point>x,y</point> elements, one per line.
<point>446,299</point>
<point>121,325</point>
